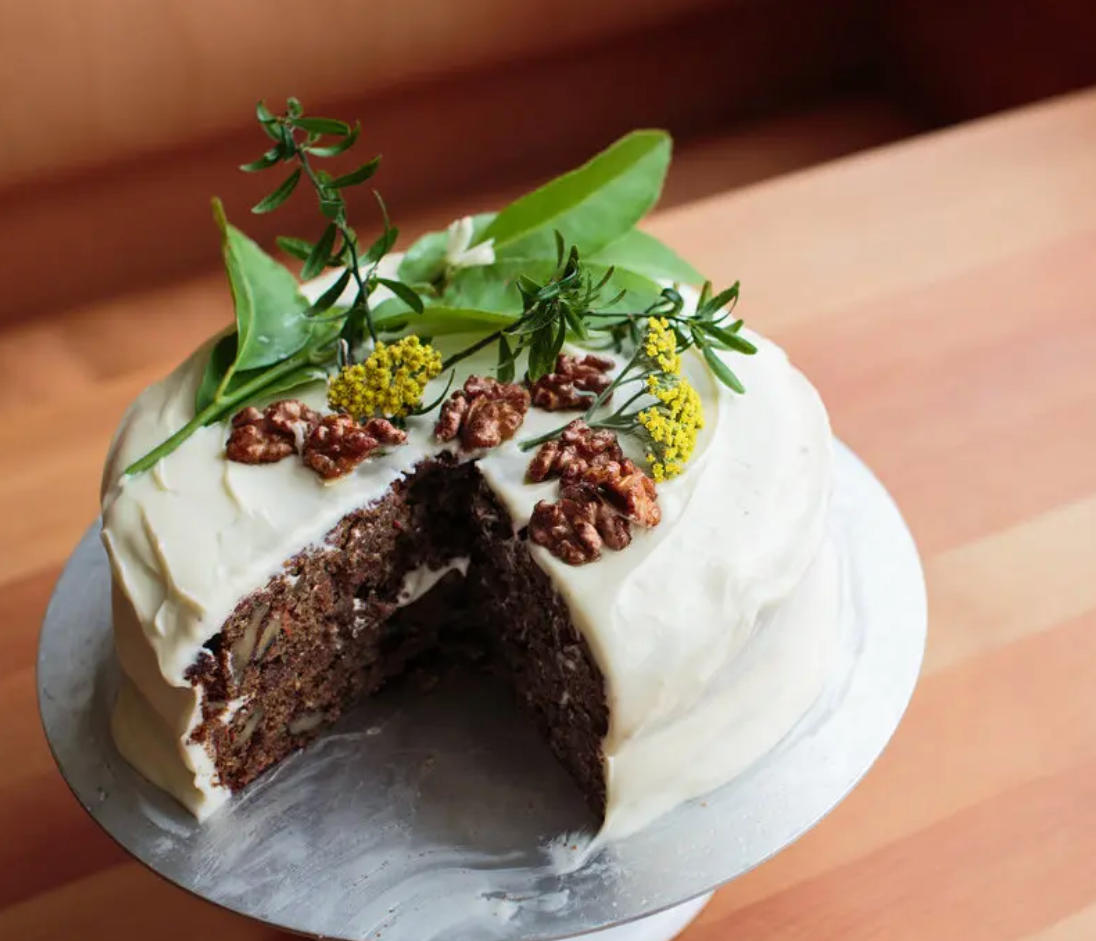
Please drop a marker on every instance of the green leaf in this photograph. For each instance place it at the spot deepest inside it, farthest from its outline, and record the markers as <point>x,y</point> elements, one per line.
<point>268,304</point>
<point>220,361</point>
<point>363,173</point>
<point>721,300</point>
<point>721,370</point>
<point>330,297</point>
<point>293,107</point>
<point>382,246</point>
<point>279,196</point>
<point>404,293</point>
<point>317,259</point>
<point>321,125</point>
<point>495,287</point>
<point>644,254</point>
<point>268,121</point>
<point>298,248</point>
<point>271,157</point>
<point>331,204</point>
<point>506,360</point>
<point>439,320</point>
<point>425,259</point>
<point>593,205</point>
<point>728,339</point>
<point>333,150</point>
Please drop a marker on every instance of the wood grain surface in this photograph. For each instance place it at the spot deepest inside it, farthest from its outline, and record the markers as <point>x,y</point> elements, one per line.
<point>942,295</point>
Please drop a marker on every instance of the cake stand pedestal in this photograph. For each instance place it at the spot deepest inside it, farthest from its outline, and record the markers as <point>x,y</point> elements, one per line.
<point>430,816</point>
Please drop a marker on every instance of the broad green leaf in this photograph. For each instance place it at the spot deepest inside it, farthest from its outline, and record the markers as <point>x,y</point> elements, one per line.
<point>437,321</point>
<point>220,360</point>
<point>495,287</point>
<point>424,260</point>
<point>644,254</point>
<point>593,205</point>
<point>304,376</point>
<point>269,306</point>
<point>640,290</point>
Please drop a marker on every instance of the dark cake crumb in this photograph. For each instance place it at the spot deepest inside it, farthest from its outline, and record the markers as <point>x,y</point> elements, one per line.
<point>328,630</point>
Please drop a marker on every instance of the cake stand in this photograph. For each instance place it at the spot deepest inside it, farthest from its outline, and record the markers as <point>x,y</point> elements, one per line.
<point>434,814</point>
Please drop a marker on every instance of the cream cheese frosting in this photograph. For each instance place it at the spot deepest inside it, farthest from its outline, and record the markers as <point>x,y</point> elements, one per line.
<point>670,621</point>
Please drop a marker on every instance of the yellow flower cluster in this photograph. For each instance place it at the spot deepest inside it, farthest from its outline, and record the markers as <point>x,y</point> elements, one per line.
<point>660,345</point>
<point>671,425</point>
<point>390,382</point>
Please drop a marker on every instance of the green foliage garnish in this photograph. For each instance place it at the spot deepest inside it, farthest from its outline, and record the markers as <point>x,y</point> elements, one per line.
<point>280,341</point>
<point>506,273</point>
<point>664,411</point>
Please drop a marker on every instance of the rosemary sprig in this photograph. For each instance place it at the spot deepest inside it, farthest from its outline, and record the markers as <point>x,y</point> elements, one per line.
<point>281,341</point>
<point>297,140</point>
<point>551,312</point>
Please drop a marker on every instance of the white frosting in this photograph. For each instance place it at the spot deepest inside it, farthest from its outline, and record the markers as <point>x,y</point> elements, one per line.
<point>666,619</point>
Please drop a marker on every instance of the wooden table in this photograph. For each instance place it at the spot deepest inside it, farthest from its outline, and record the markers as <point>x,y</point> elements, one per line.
<point>942,295</point>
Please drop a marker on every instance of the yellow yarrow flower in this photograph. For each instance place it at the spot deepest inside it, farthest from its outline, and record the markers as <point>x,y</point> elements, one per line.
<point>660,345</point>
<point>390,382</point>
<point>671,425</point>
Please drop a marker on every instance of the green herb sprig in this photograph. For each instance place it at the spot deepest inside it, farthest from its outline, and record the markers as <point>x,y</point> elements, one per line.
<point>706,327</point>
<point>280,340</point>
<point>551,311</point>
<point>297,141</point>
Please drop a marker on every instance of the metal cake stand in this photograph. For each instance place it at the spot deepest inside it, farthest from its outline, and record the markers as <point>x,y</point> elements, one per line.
<point>435,814</point>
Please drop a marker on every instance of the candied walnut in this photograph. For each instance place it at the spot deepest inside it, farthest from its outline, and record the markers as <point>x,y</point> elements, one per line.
<point>576,527</point>
<point>577,448</point>
<point>567,530</point>
<point>452,414</point>
<point>626,488</point>
<point>613,528</point>
<point>384,431</point>
<point>338,444</point>
<point>255,440</point>
<point>573,375</point>
<point>484,413</point>
<point>292,418</point>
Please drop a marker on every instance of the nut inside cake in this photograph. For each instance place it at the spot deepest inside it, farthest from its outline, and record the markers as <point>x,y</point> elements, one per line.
<point>345,618</point>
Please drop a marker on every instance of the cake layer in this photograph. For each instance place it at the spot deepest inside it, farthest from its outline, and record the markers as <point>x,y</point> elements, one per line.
<point>666,620</point>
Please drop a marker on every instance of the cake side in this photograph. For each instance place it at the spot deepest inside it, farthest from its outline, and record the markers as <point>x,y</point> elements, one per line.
<point>664,620</point>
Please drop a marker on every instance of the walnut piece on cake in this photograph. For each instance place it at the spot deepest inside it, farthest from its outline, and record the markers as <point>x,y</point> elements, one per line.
<point>338,443</point>
<point>578,447</point>
<point>562,389</point>
<point>596,507</point>
<point>332,445</point>
<point>483,414</point>
<point>265,437</point>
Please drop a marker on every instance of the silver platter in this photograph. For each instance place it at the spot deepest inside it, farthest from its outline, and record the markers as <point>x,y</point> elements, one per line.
<point>436,815</point>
